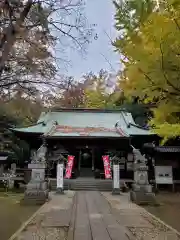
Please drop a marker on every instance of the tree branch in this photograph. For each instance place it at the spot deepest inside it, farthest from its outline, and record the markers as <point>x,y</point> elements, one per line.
<point>158,88</point>
<point>163,70</point>
<point>68,34</point>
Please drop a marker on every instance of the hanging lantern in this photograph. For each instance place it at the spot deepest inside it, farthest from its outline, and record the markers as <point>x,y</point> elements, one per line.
<point>86,155</point>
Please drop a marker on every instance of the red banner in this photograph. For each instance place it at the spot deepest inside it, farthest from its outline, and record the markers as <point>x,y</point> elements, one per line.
<point>69,167</point>
<point>107,168</point>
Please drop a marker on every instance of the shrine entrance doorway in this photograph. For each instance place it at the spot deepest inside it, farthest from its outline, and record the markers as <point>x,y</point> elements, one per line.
<point>86,163</point>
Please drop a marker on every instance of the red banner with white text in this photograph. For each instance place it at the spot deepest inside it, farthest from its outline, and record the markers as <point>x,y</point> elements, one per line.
<point>69,166</point>
<point>107,168</point>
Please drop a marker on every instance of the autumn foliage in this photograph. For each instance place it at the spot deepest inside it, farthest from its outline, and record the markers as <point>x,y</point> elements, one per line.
<point>149,42</point>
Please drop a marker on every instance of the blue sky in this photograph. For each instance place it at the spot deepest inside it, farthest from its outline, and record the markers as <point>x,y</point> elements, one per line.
<point>100,52</point>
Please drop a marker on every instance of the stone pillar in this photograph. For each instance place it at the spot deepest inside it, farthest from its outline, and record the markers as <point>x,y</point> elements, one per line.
<point>13,173</point>
<point>116,177</point>
<point>60,177</point>
<point>37,189</point>
<point>13,168</point>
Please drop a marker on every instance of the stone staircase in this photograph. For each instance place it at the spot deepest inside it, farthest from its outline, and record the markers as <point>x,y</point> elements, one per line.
<point>84,183</point>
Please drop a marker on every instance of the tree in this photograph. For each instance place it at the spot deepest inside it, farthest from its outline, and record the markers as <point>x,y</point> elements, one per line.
<point>141,113</point>
<point>100,93</point>
<point>130,16</point>
<point>152,64</point>
<point>92,91</point>
<point>29,31</point>
<point>19,151</point>
<point>71,95</point>
<point>17,106</point>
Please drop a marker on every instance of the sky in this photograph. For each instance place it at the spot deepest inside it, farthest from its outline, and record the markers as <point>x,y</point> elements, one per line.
<point>100,53</point>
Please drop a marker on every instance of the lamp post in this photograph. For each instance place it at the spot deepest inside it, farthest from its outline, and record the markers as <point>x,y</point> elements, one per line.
<point>116,185</point>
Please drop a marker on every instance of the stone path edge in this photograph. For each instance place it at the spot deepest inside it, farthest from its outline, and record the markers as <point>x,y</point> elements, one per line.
<point>160,221</point>
<point>25,224</point>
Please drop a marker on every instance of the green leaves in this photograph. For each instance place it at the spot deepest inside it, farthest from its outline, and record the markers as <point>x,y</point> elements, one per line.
<point>151,46</point>
<point>131,14</point>
<point>19,151</point>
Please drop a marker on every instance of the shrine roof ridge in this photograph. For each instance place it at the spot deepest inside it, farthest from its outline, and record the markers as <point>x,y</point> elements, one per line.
<point>91,110</point>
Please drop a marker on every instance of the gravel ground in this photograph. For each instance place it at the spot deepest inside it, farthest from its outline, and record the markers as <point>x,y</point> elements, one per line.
<point>35,229</point>
<point>168,210</point>
<point>35,233</point>
<point>157,230</point>
<point>155,234</point>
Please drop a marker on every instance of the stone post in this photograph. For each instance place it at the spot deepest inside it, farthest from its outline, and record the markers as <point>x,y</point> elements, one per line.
<point>116,185</point>
<point>60,176</point>
<point>13,168</point>
<point>141,190</point>
<point>13,173</point>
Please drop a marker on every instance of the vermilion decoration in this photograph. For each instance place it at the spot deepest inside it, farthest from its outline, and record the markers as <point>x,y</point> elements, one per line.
<point>69,166</point>
<point>83,129</point>
<point>107,168</point>
<point>86,130</point>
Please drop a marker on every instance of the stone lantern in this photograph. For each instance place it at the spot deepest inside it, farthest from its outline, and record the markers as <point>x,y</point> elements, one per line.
<point>141,189</point>
<point>37,189</point>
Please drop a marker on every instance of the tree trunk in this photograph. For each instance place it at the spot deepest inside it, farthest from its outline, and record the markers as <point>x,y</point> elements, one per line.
<point>10,35</point>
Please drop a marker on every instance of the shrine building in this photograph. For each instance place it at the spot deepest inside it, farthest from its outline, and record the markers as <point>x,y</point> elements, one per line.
<point>87,134</point>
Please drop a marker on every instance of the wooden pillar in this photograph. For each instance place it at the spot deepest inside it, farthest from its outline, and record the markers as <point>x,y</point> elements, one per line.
<point>79,163</point>
<point>93,159</point>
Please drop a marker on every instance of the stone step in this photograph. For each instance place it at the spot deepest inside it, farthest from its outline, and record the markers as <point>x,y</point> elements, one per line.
<point>89,189</point>
<point>85,184</point>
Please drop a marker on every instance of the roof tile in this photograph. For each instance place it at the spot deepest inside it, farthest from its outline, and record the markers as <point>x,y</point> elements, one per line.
<point>86,123</point>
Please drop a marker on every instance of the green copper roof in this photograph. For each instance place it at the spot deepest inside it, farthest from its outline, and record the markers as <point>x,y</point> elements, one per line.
<point>77,123</point>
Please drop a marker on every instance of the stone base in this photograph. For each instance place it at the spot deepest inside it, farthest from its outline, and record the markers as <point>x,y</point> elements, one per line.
<point>59,191</point>
<point>143,198</point>
<point>116,191</point>
<point>35,197</point>
<point>36,193</point>
<point>142,188</point>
